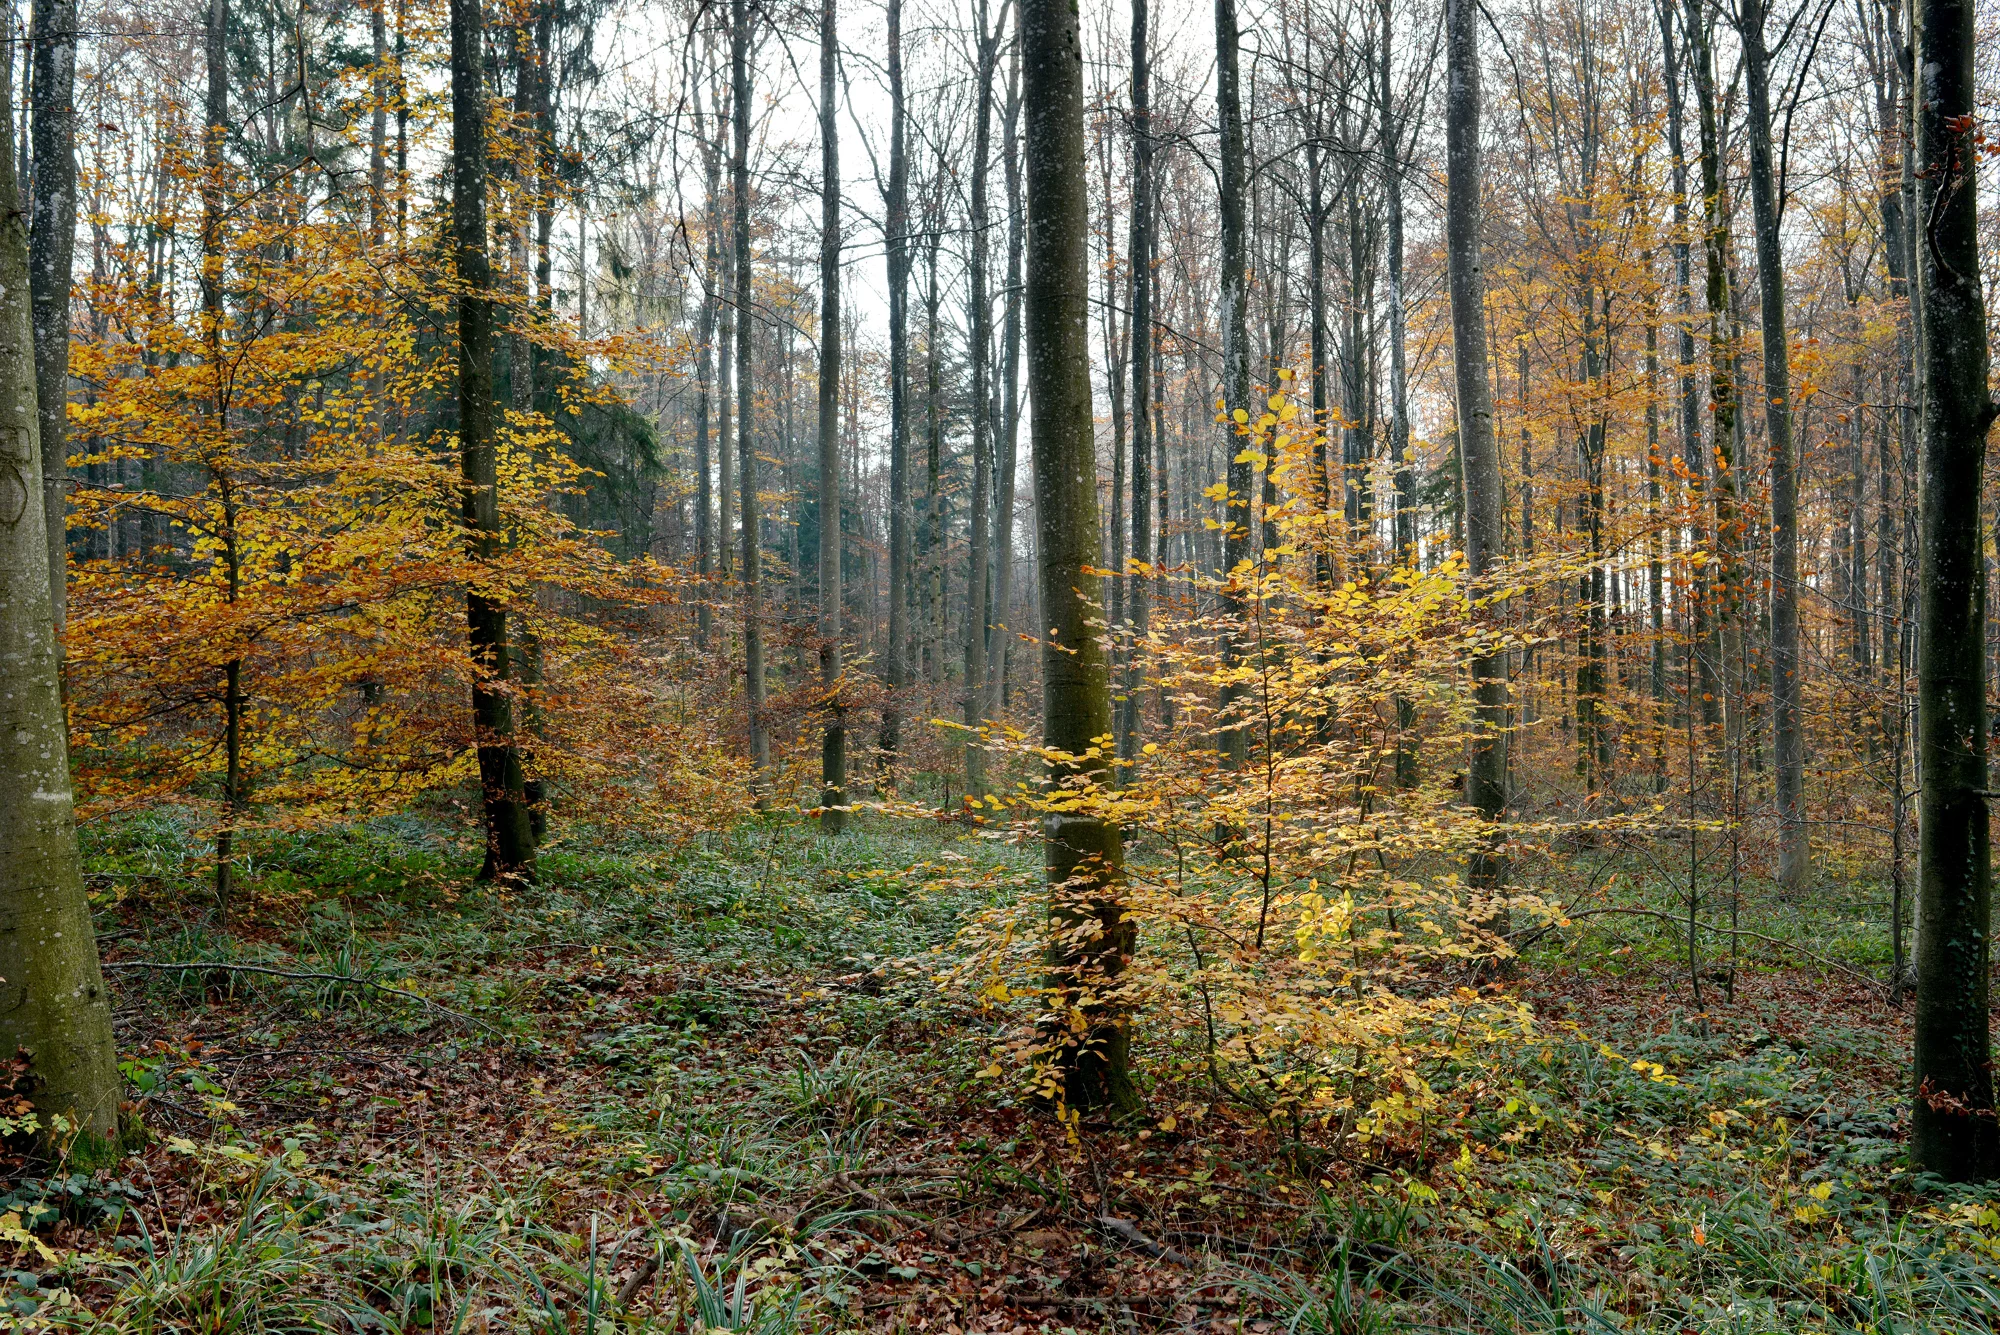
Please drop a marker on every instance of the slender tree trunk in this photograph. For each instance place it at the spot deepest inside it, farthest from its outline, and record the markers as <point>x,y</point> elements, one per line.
<point>216,119</point>
<point>704,485</point>
<point>897,227</point>
<point>980,321</point>
<point>378,121</point>
<point>53,1003</point>
<point>833,747</point>
<point>1091,940</point>
<point>1479,458</point>
<point>746,451</point>
<point>510,846</point>
<point>1723,593</point>
<point>1953,1131</point>
<point>1010,397</point>
<point>51,244</point>
<point>1693,456</point>
<point>1237,410</point>
<point>1787,667</point>
<point>1140,335</point>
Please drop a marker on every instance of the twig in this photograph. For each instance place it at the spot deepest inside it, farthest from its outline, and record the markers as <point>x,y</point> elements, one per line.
<point>1129,1231</point>
<point>175,966</point>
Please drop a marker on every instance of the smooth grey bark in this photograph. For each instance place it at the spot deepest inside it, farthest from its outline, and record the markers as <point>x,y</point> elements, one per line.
<point>1694,457</point>
<point>1091,941</point>
<point>1138,608</point>
<point>51,246</point>
<point>746,450</point>
<point>979,319</point>
<point>1009,436</point>
<point>53,1002</point>
<point>510,844</point>
<point>1953,1131</point>
<point>704,486</point>
<point>1234,740</point>
<point>833,745</point>
<point>1787,667</point>
<point>896,225</point>
<point>1399,392</point>
<point>1479,456</point>
<point>378,120</point>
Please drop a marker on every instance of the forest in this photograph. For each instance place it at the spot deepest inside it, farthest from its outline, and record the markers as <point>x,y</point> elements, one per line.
<point>998,666</point>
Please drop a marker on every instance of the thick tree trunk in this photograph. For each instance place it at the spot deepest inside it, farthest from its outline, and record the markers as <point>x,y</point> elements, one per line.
<point>833,746</point>
<point>1237,410</point>
<point>53,1003</point>
<point>510,845</point>
<point>51,243</point>
<point>1952,1130</point>
<point>746,450</point>
<point>1091,939</point>
<point>1787,668</point>
<point>1479,457</point>
<point>896,203</point>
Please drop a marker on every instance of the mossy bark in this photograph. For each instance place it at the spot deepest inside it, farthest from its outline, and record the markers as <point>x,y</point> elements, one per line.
<point>1091,940</point>
<point>53,1005</point>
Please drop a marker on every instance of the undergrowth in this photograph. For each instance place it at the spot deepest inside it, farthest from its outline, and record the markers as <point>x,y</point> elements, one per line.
<point>734,1084</point>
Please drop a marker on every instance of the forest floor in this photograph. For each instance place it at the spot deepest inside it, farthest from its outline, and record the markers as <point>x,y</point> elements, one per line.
<point>719,1086</point>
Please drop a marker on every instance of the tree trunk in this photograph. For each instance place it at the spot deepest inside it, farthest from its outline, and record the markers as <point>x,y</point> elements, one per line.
<point>999,644</point>
<point>746,451</point>
<point>1139,582</point>
<point>704,486</point>
<point>1723,592</point>
<point>1787,668</point>
<point>1091,940</point>
<point>1479,457</point>
<point>1237,410</point>
<point>980,320</point>
<point>510,846</point>
<point>216,120</point>
<point>833,747</point>
<point>53,1003</point>
<point>51,243</point>
<point>1952,1130</point>
<point>896,205</point>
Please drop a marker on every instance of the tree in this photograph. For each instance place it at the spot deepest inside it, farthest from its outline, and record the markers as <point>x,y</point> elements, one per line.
<point>833,746</point>
<point>1952,1131</point>
<point>746,449</point>
<point>1479,458</point>
<point>1236,408</point>
<point>54,1008</point>
<point>1138,604</point>
<point>1091,940</point>
<point>510,843</point>
<point>896,226</point>
<point>51,243</point>
<point>1788,742</point>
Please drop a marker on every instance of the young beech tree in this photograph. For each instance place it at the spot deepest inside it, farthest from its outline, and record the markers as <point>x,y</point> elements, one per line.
<point>1953,1131</point>
<point>1091,940</point>
<point>53,1006</point>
